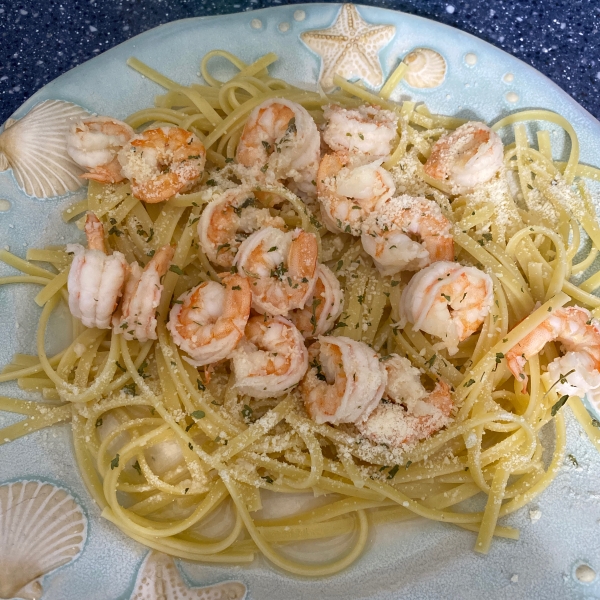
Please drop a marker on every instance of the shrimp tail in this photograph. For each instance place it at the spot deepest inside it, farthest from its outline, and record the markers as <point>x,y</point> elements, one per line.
<point>441,397</point>
<point>515,362</point>
<point>161,261</point>
<point>94,231</point>
<point>110,173</point>
<point>302,254</point>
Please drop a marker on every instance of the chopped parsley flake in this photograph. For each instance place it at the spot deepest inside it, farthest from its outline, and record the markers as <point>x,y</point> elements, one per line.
<point>130,389</point>
<point>562,400</point>
<point>392,472</point>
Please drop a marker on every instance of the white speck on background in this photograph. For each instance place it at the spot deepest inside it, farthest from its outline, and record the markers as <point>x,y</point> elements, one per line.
<point>256,24</point>
<point>450,9</point>
<point>514,578</point>
<point>299,15</point>
<point>512,97</point>
<point>283,27</point>
<point>535,515</point>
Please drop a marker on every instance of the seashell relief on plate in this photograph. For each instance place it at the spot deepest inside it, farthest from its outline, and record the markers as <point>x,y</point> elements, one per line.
<point>350,48</point>
<point>159,579</point>
<point>426,68</point>
<point>35,148</point>
<point>42,527</point>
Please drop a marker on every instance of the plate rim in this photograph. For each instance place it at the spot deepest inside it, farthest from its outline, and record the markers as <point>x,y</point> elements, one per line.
<point>564,96</point>
<point>328,5</point>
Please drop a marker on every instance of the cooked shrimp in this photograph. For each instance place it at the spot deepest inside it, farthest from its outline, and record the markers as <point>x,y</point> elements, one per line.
<point>323,307</point>
<point>162,162</point>
<point>407,234</point>
<point>208,321</point>
<point>136,317</point>
<point>94,142</point>
<point>282,267</point>
<point>469,156</point>
<point>282,139</point>
<point>366,129</point>
<point>578,371</point>
<point>270,359</point>
<point>96,279</point>
<point>411,413</point>
<point>228,220</point>
<point>448,301</point>
<point>348,190</point>
<point>345,382</point>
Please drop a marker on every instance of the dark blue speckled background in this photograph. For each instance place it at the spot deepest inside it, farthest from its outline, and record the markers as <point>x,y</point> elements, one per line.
<point>40,39</point>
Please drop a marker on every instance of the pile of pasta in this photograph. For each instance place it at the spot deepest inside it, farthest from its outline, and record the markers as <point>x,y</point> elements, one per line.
<point>162,448</point>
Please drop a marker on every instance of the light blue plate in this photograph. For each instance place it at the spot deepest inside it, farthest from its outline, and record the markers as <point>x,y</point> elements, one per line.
<point>424,560</point>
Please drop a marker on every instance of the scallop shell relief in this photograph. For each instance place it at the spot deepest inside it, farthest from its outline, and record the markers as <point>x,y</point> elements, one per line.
<point>426,68</point>
<point>35,148</point>
<point>159,579</point>
<point>42,528</point>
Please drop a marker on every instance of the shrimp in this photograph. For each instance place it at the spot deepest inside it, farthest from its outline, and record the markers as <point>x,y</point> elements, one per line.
<point>282,267</point>
<point>136,317</point>
<point>162,162</point>
<point>95,281</point>
<point>448,301</point>
<point>323,307</point>
<point>366,129</point>
<point>348,190</point>
<point>208,321</point>
<point>467,157</point>
<point>345,382</point>
<point>282,139</point>
<point>226,222</point>
<point>407,234</point>
<point>270,359</point>
<point>94,142</point>
<point>411,413</point>
<point>578,371</point>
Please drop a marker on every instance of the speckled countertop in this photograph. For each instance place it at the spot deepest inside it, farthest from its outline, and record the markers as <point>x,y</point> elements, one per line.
<point>40,39</point>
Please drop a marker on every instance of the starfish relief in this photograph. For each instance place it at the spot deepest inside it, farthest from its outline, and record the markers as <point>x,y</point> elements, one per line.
<point>159,579</point>
<point>349,48</point>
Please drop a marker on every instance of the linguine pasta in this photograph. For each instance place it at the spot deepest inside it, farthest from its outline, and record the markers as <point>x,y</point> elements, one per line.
<point>163,447</point>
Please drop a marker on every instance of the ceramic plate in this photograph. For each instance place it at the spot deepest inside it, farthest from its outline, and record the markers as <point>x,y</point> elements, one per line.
<point>421,559</point>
